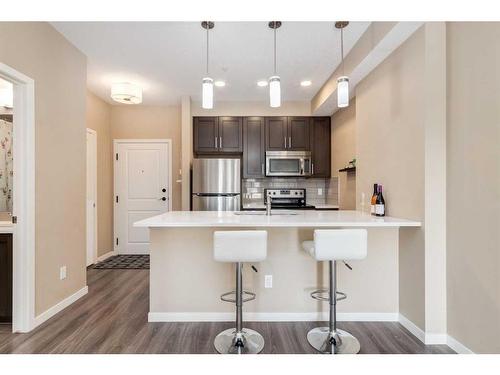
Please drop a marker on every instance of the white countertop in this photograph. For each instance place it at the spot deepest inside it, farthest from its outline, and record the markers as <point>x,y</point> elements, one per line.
<point>289,218</point>
<point>261,206</point>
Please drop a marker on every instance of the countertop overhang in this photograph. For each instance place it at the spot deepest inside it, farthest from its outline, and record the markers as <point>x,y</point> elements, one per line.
<point>299,218</point>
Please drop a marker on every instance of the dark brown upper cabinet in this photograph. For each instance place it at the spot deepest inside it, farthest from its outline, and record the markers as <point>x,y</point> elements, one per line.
<point>254,147</point>
<point>206,135</point>
<point>287,133</point>
<point>320,146</point>
<point>217,135</point>
<point>276,133</point>
<point>298,134</point>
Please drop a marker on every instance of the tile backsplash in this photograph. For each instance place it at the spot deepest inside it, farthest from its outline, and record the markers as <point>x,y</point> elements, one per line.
<point>318,190</point>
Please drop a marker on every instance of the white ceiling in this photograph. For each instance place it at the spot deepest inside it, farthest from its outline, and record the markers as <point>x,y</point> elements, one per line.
<point>168,58</point>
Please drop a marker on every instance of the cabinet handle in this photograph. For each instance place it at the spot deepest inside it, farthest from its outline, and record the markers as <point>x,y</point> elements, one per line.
<point>215,142</point>
<point>262,168</point>
<point>220,142</point>
<point>312,168</point>
<point>285,142</point>
<point>289,142</point>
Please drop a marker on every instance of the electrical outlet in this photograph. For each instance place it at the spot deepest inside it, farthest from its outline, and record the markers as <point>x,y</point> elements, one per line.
<point>320,191</point>
<point>62,273</point>
<point>268,281</point>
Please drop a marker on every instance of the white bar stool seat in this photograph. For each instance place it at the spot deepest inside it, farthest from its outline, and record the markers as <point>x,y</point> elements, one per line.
<point>333,245</point>
<point>239,247</point>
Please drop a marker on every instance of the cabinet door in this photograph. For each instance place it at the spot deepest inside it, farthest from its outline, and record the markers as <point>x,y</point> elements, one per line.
<point>298,134</point>
<point>276,133</point>
<point>321,146</point>
<point>230,134</point>
<point>254,156</point>
<point>5,278</point>
<point>205,135</point>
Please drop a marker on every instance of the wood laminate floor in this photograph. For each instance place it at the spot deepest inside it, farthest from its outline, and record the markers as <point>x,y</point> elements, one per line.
<point>112,318</point>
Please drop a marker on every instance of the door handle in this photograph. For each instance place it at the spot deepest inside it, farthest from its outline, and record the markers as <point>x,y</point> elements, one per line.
<point>163,190</point>
<point>163,199</point>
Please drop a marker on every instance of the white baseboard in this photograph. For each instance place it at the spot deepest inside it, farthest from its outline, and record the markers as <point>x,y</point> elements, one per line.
<point>433,338</point>
<point>412,327</point>
<point>105,256</point>
<point>269,317</point>
<point>458,346</point>
<point>46,315</point>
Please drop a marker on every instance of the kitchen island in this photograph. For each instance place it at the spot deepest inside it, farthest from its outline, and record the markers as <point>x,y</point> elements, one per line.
<point>186,283</point>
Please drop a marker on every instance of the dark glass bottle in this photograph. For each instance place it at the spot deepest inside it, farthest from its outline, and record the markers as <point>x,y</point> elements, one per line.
<point>380,202</point>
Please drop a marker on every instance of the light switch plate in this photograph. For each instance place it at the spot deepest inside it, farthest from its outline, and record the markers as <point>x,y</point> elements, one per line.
<point>62,273</point>
<point>268,281</point>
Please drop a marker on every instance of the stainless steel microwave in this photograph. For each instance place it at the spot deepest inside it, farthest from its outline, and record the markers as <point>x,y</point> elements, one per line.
<point>288,163</point>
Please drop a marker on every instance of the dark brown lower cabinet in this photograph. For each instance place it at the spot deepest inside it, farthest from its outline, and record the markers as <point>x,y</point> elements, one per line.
<point>5,278</point>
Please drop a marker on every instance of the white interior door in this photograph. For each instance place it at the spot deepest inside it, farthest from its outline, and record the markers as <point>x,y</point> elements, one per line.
<point>91,196</point>
<point>142,190</point>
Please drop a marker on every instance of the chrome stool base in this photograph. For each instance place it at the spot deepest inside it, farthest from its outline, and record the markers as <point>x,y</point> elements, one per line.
<point>322,340</point>
<point>247,342</point>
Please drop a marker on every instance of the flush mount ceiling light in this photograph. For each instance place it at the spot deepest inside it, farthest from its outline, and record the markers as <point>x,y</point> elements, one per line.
<point>126,93</point>
<point>274,80</point>
<point>305,83</point>
<point>220,83</point>
<point>342,81</point>
<point>207,88</point>
<point>262,83</point>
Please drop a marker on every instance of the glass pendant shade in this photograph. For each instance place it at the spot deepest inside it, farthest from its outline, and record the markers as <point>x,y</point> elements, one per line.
<point>274,92</point>
<point>207,101</point>
<point>343,92</point>
<point>126,93</point>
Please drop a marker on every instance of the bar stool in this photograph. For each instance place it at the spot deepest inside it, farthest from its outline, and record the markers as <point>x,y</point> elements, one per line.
<point>334,245</point>
<point>239,247</point>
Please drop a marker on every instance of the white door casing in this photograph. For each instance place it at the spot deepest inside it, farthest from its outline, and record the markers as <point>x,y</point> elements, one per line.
<point>91,197</point>
<point>143,189</point>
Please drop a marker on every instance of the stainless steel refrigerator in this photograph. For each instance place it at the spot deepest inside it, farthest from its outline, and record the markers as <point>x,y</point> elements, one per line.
<point>216,185</point>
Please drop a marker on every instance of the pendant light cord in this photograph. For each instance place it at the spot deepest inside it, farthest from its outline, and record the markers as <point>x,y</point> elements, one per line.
<point>207,49</point>
<point>275,50</point>
<point>342,48</point>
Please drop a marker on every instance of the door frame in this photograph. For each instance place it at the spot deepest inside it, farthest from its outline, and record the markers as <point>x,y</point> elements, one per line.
<point>116,144</point>
<point>94,249</point>
<point>23,233</point>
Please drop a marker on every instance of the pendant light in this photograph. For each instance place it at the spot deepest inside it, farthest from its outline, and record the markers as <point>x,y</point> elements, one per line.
<point>274,80</point>
<point>342,81</point>
<point>207,88</point>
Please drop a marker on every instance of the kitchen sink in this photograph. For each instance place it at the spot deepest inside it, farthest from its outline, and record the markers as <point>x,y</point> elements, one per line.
<point>263,213</point>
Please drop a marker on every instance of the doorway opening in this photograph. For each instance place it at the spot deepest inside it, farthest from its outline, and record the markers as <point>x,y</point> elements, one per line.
<point>17,164</point>
<point>91,197</point>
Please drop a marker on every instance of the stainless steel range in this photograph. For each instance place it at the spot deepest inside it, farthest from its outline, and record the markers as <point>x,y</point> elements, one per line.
<point>287,199</point>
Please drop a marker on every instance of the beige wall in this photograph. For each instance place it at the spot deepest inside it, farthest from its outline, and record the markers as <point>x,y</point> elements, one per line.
<point>145,122</point>
<point>473,195</point>
<point>390,151</point>
<point>99,119</point>
<point>59,71</point>
<point>343,151</point>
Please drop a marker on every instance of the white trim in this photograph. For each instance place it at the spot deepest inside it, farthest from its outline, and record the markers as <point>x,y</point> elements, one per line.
<point>436,339</point>
<point>105,256</point>
<point>96,216</point>
<point>412,327</point>
<point>23,296</point>
<point>117,142</point>
<point>268,317</point>
<point>46,315</point>
<point>458,346</point>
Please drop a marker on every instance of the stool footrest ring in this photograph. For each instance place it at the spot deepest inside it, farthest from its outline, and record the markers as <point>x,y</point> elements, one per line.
<point>319,295</point>
<point>249,296</point>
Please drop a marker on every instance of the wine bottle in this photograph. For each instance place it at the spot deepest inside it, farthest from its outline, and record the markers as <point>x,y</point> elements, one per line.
<point>380,202</point>
<point>374,199</point>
